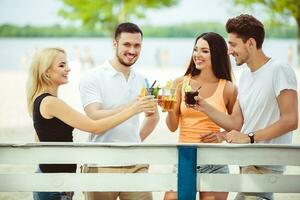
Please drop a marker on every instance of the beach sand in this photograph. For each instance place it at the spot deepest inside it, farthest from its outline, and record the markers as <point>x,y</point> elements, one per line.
<point>16,125</point>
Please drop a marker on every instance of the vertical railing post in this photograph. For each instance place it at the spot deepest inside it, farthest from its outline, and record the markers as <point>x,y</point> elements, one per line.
<point>186,181</point>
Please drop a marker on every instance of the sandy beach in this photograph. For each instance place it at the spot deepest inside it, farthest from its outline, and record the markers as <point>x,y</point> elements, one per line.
<point>16,125</point>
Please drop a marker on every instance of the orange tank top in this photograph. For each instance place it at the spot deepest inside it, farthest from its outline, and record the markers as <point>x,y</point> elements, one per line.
<point>194,123</point>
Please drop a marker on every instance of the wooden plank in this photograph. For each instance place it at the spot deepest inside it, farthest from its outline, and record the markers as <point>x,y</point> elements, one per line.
<point>89,144</point>
<point>249,156</point>
<point>108,154</point>
<point>87,182</point>
<point>147,182</point>
<point>277,183</point>
<point>88,154</point>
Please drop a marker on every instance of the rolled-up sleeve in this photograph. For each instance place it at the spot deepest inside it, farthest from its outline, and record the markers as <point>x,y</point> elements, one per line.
<point>89,88</point>
<point>284,79</point>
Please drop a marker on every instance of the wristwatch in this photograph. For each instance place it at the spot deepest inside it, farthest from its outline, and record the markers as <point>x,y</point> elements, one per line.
<point>251,136</point>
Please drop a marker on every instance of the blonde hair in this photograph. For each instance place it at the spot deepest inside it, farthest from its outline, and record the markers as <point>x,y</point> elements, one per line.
<point>37,79</point>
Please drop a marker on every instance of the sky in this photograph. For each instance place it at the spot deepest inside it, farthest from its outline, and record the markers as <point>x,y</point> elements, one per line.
<point>44,12</point>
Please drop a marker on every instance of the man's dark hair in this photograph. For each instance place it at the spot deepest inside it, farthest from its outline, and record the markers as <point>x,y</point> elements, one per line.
<point>127,27</point>
<point>246,26</point>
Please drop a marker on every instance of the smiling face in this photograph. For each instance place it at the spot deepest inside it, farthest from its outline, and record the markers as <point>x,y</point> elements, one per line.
<point>238,49</point>
<point>128,48</point>
<point>59,70</point>
<point>201,55</point>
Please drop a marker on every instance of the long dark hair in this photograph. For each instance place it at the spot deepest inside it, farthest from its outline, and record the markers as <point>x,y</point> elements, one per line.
<point>219,58</point>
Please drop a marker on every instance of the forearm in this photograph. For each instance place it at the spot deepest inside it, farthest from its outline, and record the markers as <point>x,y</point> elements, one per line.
<point>102,125</point>
<point>281,127</point>
<point>148,125</point>
<point>103,113</point>
<point>172,121</point>
<point>227,122</point>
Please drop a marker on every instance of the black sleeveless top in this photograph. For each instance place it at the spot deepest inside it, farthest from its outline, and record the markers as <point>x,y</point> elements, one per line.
<point>52,130</point>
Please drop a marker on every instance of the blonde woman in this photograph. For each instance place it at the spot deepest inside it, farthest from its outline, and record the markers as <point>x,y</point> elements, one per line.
<point>54,120</point>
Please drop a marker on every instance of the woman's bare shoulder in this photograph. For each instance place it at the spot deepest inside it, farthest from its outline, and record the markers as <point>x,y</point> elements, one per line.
<point>230,89</point>
<point>178,80</point>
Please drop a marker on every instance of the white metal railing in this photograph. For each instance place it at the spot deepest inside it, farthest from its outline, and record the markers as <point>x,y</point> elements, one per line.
<point>126,154</point>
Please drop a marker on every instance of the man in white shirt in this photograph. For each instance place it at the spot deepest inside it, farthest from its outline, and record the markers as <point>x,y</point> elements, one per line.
<point>267,94</point>
<point>108,89</point>
<point>267,104</point>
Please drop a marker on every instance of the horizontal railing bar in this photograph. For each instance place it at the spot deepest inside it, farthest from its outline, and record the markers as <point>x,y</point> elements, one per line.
<point>90,144</point>
<point>122,154</point>
<point>89,155</point>
<point>87,182</point>
<point>150,182</point>
<point>277,183</point>
<point>249,156</point>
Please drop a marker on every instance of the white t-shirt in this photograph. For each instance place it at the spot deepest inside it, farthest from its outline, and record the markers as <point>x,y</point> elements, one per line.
<point>109,87</point>
<point>257,95</point>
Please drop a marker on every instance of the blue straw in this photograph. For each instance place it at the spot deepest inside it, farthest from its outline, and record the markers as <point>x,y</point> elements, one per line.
<point>147,86</point>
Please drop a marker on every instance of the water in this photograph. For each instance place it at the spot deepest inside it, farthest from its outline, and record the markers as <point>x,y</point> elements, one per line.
<point>15,53</point>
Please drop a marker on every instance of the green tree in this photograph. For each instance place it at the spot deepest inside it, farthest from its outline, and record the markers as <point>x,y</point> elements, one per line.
<point>282,7</point>
<point>106,14</point>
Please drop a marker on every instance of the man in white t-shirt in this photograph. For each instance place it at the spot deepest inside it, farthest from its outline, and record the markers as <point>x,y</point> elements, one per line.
<point>108,89</point>
<point>267,94</point>
<point>266,109</point>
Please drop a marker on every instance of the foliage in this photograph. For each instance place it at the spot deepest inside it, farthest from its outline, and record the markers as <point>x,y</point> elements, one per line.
<point>283,8</point>
<point>106,14</point>
<point>190,30</point>
<point>46,31</point>
<point>184,30</point>
<point>277,9</point>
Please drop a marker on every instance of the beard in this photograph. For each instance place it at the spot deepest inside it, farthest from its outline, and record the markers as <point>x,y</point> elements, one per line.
<point>243,59</point>
<point>122,61</point>
<point>239,63</point>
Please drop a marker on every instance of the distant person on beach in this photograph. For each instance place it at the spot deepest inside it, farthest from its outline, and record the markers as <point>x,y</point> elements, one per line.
<point>162,57</point>
<point>267,96</point>
<point>107,90</point>
<point>209,74</point>
<point>87,60</point>
<point>290,55</point>
<point>54,120</point>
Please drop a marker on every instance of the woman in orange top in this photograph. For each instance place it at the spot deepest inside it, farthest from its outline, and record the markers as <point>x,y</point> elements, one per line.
<point>209,71</point>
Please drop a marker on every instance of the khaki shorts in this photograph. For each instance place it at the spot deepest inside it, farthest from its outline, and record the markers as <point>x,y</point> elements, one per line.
<point>115,195</point>
<point>256,196</point>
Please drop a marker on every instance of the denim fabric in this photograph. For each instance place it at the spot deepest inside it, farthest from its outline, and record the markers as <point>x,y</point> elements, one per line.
<point>208,169</point>
<point>51,195</point>
<point>213,169</point>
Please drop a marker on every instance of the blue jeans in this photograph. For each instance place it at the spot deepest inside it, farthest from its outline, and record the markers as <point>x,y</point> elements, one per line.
<point>52,195</point>
<point>213,169</point>
<point>207,169</point>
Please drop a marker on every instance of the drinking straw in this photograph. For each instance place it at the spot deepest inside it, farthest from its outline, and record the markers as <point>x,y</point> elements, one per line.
<point>153,84</point>
<point>147,86</point>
